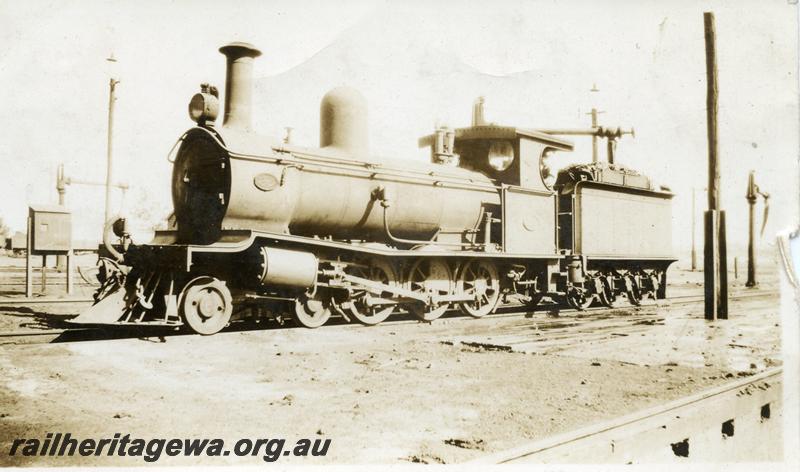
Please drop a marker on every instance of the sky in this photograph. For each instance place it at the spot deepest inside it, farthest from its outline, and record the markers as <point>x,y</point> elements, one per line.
<point>418,64</point>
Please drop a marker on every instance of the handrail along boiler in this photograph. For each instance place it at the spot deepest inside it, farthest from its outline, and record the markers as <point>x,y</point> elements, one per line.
<point>264,227</point>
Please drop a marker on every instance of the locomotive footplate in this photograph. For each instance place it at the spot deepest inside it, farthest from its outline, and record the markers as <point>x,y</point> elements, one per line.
<point>166,283</point>
<point>174,257</point>
<point>264,274</point>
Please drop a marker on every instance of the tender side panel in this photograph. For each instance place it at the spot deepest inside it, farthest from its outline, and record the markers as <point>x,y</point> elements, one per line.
<point>528,221</point>
<point>615,223</point>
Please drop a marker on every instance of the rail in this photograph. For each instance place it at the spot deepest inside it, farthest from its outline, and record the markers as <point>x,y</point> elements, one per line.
<point>740,420</point>
<point>130,330</point>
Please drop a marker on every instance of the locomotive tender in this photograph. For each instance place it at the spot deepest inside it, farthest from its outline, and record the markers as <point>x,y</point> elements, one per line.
<point>265,227</point>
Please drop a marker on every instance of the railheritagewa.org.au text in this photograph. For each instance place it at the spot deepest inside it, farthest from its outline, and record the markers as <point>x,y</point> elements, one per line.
<point>151,450</point>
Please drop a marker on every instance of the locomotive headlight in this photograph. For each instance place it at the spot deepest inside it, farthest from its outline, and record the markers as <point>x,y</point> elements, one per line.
<point>501,155</point>
<point>545,170</point>
<point>203,107</point>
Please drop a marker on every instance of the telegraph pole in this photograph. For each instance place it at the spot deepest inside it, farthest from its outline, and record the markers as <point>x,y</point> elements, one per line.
<point>109,167</point>
<point>715,267</point>
<point>694,232</point>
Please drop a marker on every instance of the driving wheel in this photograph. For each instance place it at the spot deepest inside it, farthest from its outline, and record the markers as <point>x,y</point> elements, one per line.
<point>431,278</point>
<point>479,280</point>
<point>367,307</point>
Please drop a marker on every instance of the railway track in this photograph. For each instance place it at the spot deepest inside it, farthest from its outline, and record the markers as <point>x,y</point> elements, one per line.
<point>564,319</point>
<point>50,283</point>
<point>43,301</point>
<point>737,421</point>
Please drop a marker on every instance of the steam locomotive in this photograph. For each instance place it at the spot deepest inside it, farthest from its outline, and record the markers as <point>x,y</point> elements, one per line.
<point>263,227</point>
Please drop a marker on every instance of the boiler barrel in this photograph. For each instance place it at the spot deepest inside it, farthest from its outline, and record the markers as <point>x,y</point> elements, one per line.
<point>312,194</point>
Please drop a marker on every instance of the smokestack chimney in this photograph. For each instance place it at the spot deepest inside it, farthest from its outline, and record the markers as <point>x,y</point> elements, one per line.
<point>239,84</point>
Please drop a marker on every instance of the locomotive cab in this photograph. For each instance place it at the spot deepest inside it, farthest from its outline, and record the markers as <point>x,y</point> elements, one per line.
<point>515,159</point>
<point>508,155</point>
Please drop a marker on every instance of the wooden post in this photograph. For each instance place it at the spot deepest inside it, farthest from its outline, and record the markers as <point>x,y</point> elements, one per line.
<point>715,254</point>
<point>70,270</point>
<point>44,274</point>
<point>28,261</point>
<point>715,266</point>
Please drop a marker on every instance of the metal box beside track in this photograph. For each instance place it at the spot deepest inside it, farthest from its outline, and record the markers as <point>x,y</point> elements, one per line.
<point>51,228</point>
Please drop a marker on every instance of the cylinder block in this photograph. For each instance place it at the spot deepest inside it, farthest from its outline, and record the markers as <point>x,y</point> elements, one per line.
<point>288,269</point>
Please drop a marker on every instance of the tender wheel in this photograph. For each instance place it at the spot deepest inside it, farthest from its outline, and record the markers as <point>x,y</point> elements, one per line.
<point>311,312</point>
<point>430,277</point>
<point>206,305</point>
<point>480,280</point>
<point>605,293</point>
<point>661,293</point>
<point>362,307</point>
<point>655,285</point>
<point>579,298</point>
<point>632,290</point>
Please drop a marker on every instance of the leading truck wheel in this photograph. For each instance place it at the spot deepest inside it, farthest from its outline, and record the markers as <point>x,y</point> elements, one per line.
<point>206,305</point>
<point>311,312</point>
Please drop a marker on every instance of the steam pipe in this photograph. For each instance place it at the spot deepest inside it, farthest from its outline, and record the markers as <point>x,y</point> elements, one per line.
<point>599,131</point>
<point>611,135</point>
<point>386,203</point>
<point>239,84</point>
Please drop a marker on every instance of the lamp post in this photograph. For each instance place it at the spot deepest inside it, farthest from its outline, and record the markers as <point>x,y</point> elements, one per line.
<point>109,155</point>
